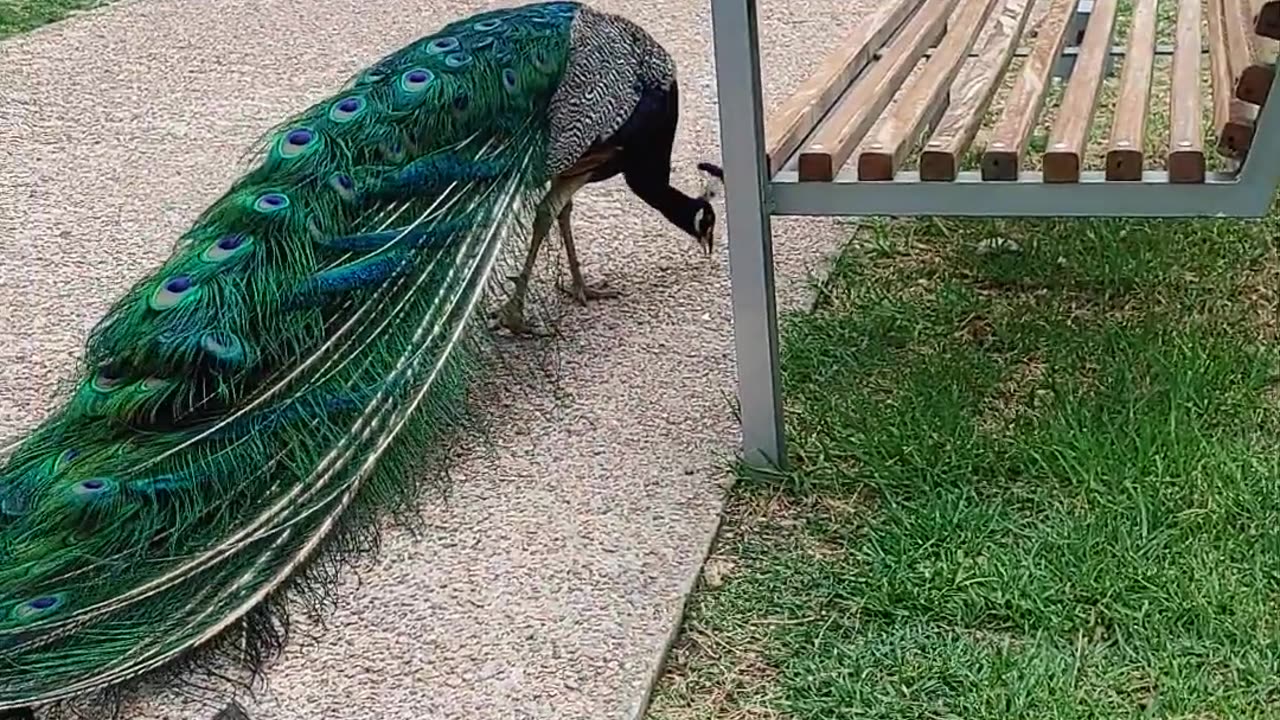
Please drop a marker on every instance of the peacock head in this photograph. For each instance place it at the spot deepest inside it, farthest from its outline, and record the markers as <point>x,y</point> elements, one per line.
<point>704,215</point>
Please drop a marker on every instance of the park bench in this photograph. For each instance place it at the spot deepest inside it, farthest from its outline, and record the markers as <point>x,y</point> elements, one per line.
<point>888,125</point>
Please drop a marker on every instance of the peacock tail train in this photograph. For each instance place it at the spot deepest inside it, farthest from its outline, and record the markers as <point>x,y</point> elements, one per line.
<point>273,380</point>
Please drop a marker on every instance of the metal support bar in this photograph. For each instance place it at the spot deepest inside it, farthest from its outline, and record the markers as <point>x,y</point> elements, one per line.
<point>1066,62</point>
<point>1119,51</point>
<point>1079,22</point>
<point>970,196</point>
<point>755,322</point>
<point>1259,174</point>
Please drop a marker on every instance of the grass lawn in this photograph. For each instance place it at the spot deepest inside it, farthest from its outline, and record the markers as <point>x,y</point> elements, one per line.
<point>1036,475</point>
<point>1032,484</point>
<point>17,16</point>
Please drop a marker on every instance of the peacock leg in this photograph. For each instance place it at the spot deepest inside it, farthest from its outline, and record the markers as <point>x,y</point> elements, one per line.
<point>511,314</point>
<point>582,291</point>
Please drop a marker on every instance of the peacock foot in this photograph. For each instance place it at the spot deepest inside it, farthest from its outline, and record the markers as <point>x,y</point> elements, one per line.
<point>510,317</point>
<point>585,292</point>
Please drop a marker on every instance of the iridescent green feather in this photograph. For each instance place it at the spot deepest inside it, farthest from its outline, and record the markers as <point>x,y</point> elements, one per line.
<point>270,385</point>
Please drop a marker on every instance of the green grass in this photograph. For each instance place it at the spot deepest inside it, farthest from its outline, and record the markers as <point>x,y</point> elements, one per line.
<point>1040,482</point>
<point>1036,475</point>
<point>18,16</point>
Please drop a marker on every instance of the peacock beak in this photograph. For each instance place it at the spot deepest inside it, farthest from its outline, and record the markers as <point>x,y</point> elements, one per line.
<point>705,222</point>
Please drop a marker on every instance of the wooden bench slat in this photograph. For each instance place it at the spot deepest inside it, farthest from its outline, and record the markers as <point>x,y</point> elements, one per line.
<point>1237,135</point>
<point>1219,67</point>
<point>1267,22</point>
<point>1129,126</point>
<point>841,131</point>
<point>1250,56</point>
<point>1186,162</point>
<point>971,95</point>
<point>788,126</point>
<point>896,133</point>
<point>1004,152</point>
<point>1255,82</point>
<point>1233,119</point>
<point>1070,131</point>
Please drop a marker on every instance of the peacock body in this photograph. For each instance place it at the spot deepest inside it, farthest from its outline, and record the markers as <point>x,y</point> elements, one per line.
<point>247,407</point>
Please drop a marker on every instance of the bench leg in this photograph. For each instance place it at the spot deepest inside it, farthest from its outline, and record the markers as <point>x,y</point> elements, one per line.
<point>755,322</point>
<point>1260,173</point>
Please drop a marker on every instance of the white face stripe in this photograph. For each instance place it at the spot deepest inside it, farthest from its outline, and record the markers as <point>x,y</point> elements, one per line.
<point>712,188</point>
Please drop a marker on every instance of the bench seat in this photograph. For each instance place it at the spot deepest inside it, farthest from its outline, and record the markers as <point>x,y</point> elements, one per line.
<point>915,85</point>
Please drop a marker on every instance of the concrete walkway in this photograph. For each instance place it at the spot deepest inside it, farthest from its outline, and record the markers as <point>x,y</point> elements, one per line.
<point>550,582</point>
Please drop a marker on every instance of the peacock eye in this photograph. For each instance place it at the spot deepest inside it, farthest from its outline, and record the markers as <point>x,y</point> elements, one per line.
<point>173,292</point>
<point>226,247</point>
<point>224,348</point>
<point>347,109</point>
<point>457,60</point>
<point>37,607</point>
<point>510,81</point>
<point>343,185</point>
<point>108,378</point>
<point>416,81</point>
<point>442,45</point>
<point>91,488</point>
<point>271,202</point>
<point>296,142</point>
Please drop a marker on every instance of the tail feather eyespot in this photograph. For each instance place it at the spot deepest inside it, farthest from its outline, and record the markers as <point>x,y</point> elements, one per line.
<point>347,109</point>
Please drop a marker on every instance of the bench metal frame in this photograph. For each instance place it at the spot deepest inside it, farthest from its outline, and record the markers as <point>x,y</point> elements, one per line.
<point>752,198</point>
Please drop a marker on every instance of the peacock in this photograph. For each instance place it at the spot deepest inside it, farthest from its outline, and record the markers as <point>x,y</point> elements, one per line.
<point>244,412</point>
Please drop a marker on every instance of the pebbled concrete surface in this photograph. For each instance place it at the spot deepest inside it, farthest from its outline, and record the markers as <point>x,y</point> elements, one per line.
<point>548,583</point>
